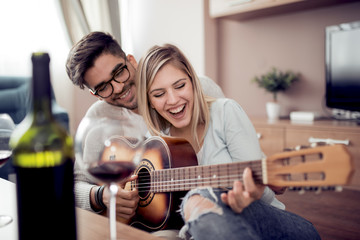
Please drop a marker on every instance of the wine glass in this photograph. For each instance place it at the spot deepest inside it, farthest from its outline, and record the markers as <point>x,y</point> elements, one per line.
<point>5,154</point>
<point>109,150</point>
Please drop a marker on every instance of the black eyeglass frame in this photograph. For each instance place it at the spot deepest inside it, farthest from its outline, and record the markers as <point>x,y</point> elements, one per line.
<point>122,68</point>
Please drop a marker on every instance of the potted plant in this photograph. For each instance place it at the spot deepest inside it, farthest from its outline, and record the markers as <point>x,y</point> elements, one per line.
<point>275,81</point>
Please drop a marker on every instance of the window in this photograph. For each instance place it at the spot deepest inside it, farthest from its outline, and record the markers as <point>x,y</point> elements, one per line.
<point>29,26</point>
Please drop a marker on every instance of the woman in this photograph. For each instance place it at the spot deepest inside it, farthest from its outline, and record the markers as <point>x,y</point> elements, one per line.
<point>172,103</point>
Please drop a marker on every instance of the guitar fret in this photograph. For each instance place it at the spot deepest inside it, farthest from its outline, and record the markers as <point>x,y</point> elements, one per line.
<point>217,175</point>
<point>156,182</point>
<point>178,186</point>
<point>188,177</point>
<point>161,179</point>
<point>202,177</point>
<point>194,185</point>
<point>205,179</point>
<point>159,182</point>
<point>192,176</point>
<point>182,176</point>
<point>228,175</point>
<point>173,180</point>
<point>168,180</point>
<point>172,177</point>
<point>151,182</point>
<point>210,176</point>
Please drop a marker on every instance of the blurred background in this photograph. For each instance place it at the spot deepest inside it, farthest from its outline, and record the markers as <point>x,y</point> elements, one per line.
<point>230,48</point>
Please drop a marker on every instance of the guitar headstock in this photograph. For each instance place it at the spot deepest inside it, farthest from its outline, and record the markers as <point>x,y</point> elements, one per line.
<point>310,167</point>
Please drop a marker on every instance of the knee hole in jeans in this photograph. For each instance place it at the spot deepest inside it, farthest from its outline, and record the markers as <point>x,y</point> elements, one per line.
<point>197,205</point>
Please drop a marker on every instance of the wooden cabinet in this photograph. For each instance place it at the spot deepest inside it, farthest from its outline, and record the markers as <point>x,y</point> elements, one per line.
<point>276,136</point>
<point>219,8</point>
<point>272,140</point>
<point>242,9</point>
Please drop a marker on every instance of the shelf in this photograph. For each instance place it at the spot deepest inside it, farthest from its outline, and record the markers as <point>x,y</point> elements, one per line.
<point>246,9</point>
<point>275,136</point>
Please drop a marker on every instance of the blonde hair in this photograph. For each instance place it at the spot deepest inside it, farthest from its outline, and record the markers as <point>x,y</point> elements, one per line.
<point>156,58</point>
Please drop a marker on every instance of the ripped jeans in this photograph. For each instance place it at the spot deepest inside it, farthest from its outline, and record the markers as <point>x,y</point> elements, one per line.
<point>215,220</point>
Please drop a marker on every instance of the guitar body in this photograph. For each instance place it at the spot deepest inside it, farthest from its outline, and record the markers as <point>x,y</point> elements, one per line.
<point>158,211</point>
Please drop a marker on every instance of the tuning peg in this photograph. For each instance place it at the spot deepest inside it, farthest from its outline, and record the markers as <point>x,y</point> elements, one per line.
<point>338,188</point>
<point>332,188</point>
<point>302,191</point>
<point>311,188</point>
<point>327,188</point>
<point>299,147</point>
<point>296,148</point>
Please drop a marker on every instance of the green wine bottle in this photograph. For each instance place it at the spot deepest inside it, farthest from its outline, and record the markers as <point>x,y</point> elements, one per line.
<point>43,157</point>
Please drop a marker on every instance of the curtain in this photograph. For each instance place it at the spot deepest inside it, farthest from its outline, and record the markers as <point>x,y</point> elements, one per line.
<point>84,16</point>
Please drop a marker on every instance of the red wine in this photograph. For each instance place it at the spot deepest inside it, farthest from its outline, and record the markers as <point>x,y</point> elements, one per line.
<point>112,171</point>
<point>4,156</point>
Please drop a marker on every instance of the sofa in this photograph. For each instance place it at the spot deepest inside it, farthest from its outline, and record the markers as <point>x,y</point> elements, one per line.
<point>15,101</point>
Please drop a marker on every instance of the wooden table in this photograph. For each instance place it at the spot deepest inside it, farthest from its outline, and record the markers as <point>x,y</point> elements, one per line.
<point>93,226</point>
<point>90,226</point>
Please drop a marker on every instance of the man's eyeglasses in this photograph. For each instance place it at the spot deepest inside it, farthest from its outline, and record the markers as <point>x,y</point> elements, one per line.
<point>106,89</point>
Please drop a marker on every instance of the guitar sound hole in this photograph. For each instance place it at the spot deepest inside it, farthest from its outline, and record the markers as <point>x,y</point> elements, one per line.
<point>144,183</point>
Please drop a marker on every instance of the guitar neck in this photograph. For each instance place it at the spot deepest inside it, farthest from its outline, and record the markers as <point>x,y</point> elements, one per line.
<point>217,176</point>
<point>320,166</point>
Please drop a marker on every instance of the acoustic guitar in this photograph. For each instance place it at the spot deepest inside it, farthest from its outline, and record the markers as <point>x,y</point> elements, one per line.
<point>169,169</point>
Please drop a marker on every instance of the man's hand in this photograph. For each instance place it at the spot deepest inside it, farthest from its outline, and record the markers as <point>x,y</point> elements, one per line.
<point>126,200</point>
<point>243,194</point>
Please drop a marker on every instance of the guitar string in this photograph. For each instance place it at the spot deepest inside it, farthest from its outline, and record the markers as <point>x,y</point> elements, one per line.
<point>175,171</point>
<point>221,169</point>
<point>177,185</point>
<point>165,173</point>
<point>189,177</point>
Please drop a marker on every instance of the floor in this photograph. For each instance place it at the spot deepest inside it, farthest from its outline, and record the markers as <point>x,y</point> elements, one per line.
<point>336,215</point>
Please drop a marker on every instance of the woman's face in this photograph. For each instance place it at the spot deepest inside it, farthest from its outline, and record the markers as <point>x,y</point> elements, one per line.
<point>171,95</point>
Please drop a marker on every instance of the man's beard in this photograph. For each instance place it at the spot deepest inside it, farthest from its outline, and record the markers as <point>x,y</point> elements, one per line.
<point>131,105</point>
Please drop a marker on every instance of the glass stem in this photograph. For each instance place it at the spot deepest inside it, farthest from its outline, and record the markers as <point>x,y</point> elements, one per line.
<point>112,211</point>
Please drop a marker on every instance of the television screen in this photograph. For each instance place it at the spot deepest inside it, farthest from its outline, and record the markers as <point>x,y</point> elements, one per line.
<point>343,66</point>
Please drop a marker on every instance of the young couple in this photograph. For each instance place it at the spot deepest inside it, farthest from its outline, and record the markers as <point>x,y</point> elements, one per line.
<point>171,101</point>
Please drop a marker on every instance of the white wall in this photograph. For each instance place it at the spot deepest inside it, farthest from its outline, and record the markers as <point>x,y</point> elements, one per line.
<point>150,22</point>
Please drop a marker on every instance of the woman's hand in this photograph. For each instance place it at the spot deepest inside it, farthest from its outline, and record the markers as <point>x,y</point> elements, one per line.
<point>243,194</point>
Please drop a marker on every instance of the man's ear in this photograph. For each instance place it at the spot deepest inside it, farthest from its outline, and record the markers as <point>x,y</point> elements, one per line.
<point>132,60</point>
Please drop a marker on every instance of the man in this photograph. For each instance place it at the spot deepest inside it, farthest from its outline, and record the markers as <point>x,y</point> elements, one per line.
<point>98,63</point>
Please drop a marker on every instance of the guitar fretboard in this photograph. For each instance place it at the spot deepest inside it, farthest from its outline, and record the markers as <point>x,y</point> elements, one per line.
<point>187,178</point>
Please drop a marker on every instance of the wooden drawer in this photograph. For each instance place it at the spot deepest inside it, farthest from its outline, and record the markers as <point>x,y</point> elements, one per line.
<point>294,137</point>
<point>271,139</point>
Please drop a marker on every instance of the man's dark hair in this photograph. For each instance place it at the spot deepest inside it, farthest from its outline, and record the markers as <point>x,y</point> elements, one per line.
<point>84,53</point>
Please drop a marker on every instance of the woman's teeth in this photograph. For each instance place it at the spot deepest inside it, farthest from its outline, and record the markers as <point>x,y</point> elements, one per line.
<point>177,110</point>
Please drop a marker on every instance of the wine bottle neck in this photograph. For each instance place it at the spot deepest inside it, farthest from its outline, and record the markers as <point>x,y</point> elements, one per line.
<point>41,88</point>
